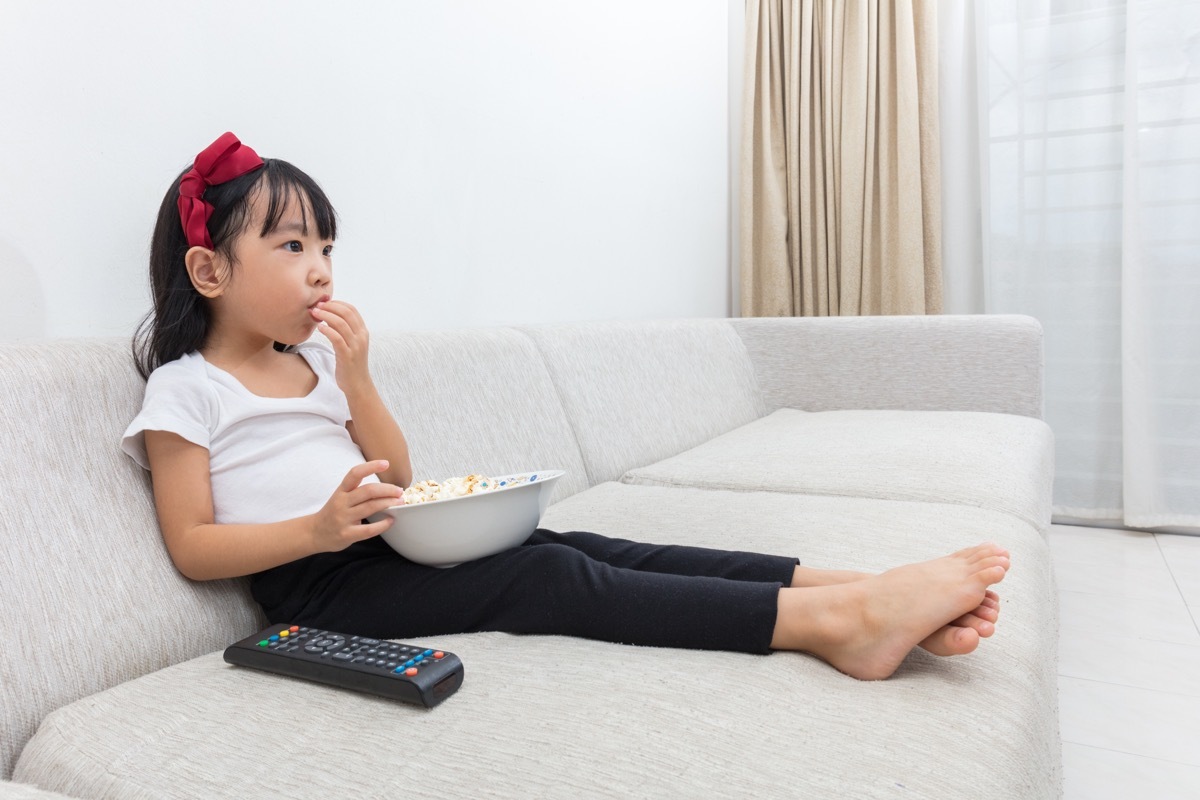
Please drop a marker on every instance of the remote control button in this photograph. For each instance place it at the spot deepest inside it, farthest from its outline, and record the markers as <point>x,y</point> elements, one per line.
<point>294,629</point>
<point>273,638</point>
<point>427,653</point>
<point>408,663</point>
<point>343,656</point>
<point>365,640</point>
<point>438,654</point>
<point>263,643</point>
<point>410,671</point>
<point>312,648</point>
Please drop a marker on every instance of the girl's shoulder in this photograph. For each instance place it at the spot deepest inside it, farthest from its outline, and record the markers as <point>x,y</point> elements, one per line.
<point>187,368</point>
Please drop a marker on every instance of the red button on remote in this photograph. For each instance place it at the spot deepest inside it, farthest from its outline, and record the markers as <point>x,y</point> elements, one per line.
<point>439,654</point>
<point>410,671</point>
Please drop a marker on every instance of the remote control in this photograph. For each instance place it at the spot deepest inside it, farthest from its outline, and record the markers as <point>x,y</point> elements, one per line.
<point>400,671</point>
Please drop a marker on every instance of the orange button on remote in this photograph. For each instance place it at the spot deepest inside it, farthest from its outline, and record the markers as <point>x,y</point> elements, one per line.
<point>439,654</point>
<point>410,671</point>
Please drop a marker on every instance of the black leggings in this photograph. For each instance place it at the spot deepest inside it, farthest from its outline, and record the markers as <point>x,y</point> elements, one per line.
<point>572,584</point>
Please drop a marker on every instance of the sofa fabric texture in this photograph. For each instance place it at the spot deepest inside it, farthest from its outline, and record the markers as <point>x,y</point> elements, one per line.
<point>998,461</point>
<point>666,431</point>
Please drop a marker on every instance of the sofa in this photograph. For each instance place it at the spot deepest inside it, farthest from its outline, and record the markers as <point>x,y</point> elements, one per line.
<point>856,443</point>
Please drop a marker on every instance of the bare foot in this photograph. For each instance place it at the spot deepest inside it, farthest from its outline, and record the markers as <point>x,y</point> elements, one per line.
<point>865,628</point>
<point>953,639</point>
<point>963,634</point>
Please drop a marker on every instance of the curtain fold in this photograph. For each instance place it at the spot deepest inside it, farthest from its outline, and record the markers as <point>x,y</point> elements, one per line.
<point>840,193</point>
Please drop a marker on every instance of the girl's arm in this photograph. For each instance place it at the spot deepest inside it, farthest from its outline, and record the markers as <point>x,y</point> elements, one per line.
<point>372,426</point>
<point>203,550</point>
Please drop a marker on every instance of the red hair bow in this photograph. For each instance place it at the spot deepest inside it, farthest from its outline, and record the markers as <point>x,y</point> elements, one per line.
<point>223,160</point>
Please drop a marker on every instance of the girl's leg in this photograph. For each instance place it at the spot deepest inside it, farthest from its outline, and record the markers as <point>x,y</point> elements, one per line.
<point>547,588</point>
<point>735,565</point>
<point>864,628</point>
<point>682,560</point>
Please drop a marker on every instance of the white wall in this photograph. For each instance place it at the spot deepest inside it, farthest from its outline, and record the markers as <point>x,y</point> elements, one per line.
<point>519,162</point>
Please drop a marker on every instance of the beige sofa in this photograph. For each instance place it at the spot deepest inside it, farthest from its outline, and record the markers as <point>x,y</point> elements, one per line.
<point>851,443</point>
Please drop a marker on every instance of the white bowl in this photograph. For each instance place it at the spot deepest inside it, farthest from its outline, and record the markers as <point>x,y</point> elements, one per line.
<point>445,533</point>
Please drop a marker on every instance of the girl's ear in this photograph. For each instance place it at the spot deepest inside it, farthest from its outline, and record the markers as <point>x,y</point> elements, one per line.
<point>209,274</point>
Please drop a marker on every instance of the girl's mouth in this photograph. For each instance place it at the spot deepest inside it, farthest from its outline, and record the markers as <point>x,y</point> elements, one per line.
<point>324,298</point>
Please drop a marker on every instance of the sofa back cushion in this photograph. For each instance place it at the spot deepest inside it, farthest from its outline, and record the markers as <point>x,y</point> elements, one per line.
<point>636,392</point>
<point>89,595</point>
<point>476,400</point>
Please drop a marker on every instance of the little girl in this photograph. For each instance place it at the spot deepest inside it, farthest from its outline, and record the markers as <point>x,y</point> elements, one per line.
<point>268,450</point>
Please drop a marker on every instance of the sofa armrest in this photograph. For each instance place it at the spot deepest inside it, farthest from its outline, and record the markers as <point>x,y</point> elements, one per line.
<point>920,363</point>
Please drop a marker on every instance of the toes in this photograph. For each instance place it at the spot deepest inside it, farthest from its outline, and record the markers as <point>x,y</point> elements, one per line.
<point>992,574</point>
<point>985,551</point>
<point>981,626</point>
<point>987,613</point>
<point>950,640</point>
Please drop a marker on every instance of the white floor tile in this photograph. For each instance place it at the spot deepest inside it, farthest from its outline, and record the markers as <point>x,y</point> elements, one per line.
<point>1158,620</point>
<point>1153,582</point>
<point>1184,565</point>
<point>1090,773</point>
<point>1124,660</point>
<point>1177,540</point>
<point>1100,546</point>
<point>1190,589</point>
<point>1139,722</point>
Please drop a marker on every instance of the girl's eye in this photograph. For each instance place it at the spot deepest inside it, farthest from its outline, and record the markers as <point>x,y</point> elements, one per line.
<point>328,250</point>
<point>298,247</point>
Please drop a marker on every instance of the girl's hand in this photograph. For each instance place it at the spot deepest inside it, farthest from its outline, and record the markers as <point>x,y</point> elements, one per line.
<point>343,326</point>
<point>339,522</point>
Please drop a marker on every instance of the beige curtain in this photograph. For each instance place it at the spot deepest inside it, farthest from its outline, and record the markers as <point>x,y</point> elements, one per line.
<point>840,197</point>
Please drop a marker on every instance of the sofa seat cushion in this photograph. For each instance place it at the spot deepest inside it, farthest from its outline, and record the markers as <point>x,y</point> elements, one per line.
<point>1001,462</point>
<point>542,716</point>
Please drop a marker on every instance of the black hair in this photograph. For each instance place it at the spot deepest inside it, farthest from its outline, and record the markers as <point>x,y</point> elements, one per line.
<point>179,321</point>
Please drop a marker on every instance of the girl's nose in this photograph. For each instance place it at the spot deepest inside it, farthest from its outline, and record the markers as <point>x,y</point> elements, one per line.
<point>321,273</point>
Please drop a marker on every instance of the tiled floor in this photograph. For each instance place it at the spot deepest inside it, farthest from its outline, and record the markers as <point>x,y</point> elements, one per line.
<point>1129,663</point>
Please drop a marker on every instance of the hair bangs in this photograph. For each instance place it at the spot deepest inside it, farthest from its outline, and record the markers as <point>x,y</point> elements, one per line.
<point>286,185</point>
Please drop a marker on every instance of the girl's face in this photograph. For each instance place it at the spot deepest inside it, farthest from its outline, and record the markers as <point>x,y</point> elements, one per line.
<point>278,278</point>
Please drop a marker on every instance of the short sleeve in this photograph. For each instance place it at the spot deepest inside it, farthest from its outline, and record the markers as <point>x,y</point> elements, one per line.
<point>178,399</point>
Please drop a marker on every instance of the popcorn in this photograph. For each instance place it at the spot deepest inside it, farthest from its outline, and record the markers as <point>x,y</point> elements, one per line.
<point>430,491</point>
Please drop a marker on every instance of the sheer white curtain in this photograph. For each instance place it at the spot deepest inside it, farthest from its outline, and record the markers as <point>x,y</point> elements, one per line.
<point>1084,118</point>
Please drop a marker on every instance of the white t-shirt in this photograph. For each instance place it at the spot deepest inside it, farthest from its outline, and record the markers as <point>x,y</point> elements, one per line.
<point>270,458</point>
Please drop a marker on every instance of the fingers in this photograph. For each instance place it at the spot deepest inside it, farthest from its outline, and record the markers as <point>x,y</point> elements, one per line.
<point>366,531</point>
<point>356,474</point>
<point>341,318</point>
<point>345,311</point>
<point>371,495</point>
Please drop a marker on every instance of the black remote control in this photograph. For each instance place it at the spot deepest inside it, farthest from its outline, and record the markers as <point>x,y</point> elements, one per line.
<point>405,672</point>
